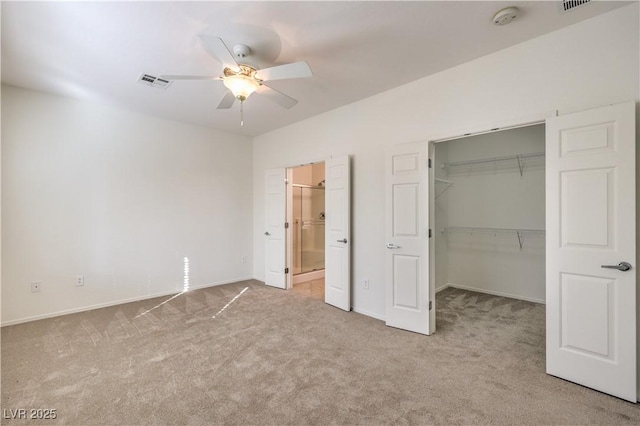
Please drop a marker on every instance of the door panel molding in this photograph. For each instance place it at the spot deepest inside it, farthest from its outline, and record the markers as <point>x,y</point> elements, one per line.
<point>408,289</point>
<point>591,221</point>
<point>337,288</point>
<point>274,233</point>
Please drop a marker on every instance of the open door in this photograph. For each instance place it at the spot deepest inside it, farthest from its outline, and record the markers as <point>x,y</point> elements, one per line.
<point>409,291</point>
<point>337,287</point>
<point>275,217</point>
<point>591,241</point>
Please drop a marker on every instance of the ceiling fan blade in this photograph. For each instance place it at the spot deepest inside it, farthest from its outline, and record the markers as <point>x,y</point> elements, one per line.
<point>227,101</point>
<point>278,97</point>
<point>281,72</point>
<point>189,77</point>
<point>217,48</point>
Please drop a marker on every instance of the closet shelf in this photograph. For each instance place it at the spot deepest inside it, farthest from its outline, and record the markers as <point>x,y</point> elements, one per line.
<point>519,157</point>
<point>520,233</point>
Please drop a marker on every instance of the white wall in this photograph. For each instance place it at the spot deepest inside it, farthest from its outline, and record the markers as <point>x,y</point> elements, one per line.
<point>587,65</point>
<point>493,195</point>
<point>118,197</point>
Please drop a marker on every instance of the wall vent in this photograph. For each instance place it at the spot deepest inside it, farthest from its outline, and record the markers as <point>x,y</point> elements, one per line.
<point>568,5</point>
<point>150,80</point>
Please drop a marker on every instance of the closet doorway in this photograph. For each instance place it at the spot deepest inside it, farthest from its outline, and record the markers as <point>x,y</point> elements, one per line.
<point>535,213</point>
<point>306,218</point>
<point>489,211</point>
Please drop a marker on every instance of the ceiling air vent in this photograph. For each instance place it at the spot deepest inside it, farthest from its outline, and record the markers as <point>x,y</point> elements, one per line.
<point>150,80</point>
<point>568,5</point>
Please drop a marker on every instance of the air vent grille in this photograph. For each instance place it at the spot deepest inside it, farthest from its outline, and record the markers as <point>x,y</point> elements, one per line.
<point>568,5</point>
<point>150,80</point>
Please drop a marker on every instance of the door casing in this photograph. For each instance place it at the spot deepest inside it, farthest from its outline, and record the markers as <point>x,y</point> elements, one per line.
<point>288,215</point>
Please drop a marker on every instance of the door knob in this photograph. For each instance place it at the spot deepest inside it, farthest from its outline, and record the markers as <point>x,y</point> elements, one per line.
<point>344,240</point>
<point>267,233</point>
<point>622,266</point>
<point>392,246</point>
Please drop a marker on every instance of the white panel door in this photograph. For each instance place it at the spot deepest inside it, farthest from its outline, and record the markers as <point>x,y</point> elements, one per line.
<point>337,286</point>
<point>590,215</point>
<point>274,233</point>
<point>408,289</point>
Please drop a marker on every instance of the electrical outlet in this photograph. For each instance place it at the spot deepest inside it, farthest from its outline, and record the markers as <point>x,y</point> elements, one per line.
<point>36,286</point>
<point>366,284</point>
<point>79,280</point>
<point>243,259</point>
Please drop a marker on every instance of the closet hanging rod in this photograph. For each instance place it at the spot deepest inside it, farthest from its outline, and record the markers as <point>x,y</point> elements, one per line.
<point>520,233</point>
<point>493,230</point>
<point>493,159</point>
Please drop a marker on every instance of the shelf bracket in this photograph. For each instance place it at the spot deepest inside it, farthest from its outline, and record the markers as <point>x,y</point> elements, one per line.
<point>446,182</point>
<point>443,191</point>
<point>520,238</point>
<point>519,164</point>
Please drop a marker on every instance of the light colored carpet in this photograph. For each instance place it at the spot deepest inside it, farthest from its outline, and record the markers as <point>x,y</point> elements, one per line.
<point>273,357</point>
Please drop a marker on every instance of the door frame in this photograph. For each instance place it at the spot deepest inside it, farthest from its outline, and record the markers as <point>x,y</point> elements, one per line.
<point>481,129</point>
<point>288,216</point>
<point>288,235</point>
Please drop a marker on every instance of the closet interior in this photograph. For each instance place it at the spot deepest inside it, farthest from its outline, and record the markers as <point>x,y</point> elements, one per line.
<point>490,213</point>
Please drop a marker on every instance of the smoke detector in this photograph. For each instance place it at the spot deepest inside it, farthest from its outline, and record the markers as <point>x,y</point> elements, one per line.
<point>504,16</point>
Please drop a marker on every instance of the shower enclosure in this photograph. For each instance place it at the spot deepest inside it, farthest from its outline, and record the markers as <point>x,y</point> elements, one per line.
<point>308,228</point>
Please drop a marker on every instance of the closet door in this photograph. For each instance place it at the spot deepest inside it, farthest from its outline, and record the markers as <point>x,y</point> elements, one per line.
<point>274,234</point>
<point>590,249</point>
<point>408,288</point>
<point>337,288</point>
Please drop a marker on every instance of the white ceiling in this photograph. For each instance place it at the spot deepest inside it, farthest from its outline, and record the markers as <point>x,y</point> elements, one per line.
<point>96,50</point>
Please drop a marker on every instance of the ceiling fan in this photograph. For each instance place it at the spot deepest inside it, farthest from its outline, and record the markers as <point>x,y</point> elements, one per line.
<point>242,79</point>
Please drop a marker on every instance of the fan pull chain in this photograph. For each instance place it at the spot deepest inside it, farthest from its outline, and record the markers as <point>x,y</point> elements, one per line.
<point>241,114</point>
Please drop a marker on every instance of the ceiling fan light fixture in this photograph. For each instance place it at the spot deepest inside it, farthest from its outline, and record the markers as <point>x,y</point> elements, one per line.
<point>243,83</point>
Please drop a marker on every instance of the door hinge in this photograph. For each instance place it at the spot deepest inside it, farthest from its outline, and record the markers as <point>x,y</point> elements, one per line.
<point>430,305</point>
<point>429,232</point>
<point>429,162</point>
<point>286,270</point>
<point>286,225</point>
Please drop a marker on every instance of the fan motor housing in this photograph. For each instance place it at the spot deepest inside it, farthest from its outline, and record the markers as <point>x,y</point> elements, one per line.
<point>241,51</point>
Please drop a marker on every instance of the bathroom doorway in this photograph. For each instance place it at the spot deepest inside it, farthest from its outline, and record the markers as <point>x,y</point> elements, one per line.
<point>306,219</point>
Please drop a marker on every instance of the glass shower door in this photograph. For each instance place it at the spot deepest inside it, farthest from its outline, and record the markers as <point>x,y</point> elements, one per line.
<point>308,236</point>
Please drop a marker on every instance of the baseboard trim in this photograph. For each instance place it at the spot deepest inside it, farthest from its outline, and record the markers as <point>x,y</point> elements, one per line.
<point>492,292</point>
<point>116,302</point>
<point>439,289</point>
